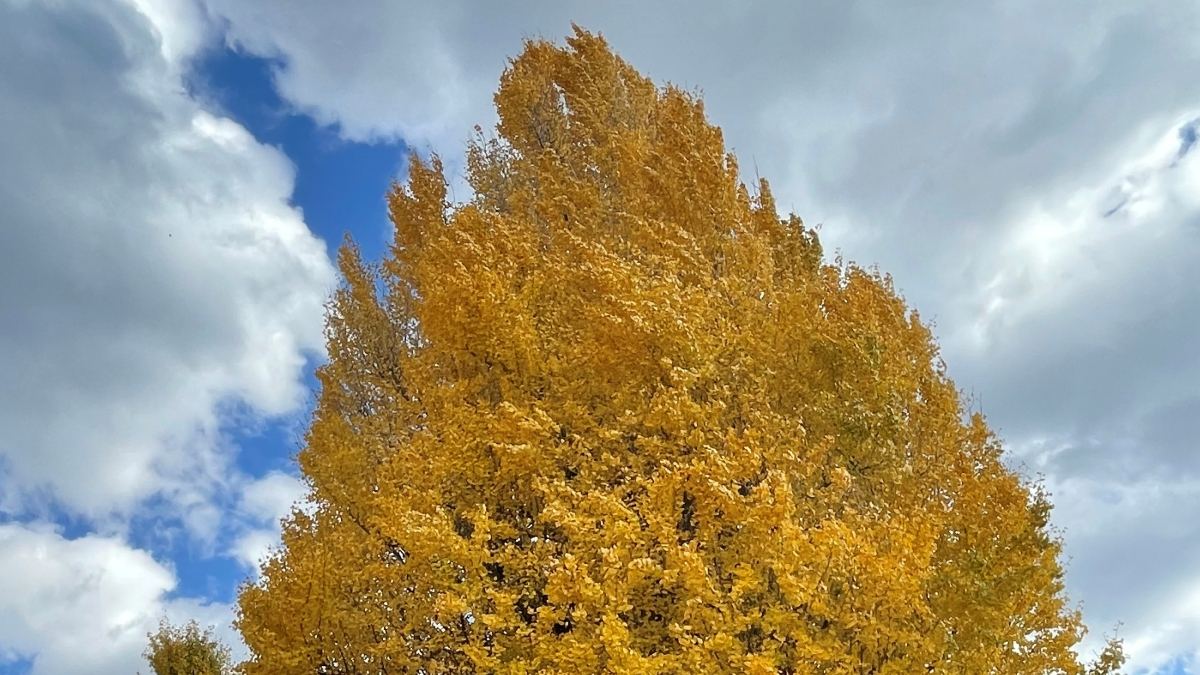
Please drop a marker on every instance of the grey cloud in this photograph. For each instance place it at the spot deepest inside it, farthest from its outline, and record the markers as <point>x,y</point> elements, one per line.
<point>1133,549</point>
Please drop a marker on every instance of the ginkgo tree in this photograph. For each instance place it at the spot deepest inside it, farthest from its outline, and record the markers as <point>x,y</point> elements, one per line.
<point>615,414</point>
<point>186,650</point>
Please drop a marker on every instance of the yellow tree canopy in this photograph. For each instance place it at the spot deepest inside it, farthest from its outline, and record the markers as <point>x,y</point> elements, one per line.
<point>614,414</point>
<point>186,650</point>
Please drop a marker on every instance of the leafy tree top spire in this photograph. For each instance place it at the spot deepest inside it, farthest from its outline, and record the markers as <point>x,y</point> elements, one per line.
<point>186,650</point>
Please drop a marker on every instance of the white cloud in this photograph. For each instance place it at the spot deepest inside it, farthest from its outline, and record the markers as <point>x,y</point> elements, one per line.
<point>85,605</point>
<point>972,151</point>
<point>180,25</point>
<point>153,277</point>
<point>272,496</point>
<point>426,82</point>
<point>152,269</point>
<point>264,502</point>
<point>253,546</point>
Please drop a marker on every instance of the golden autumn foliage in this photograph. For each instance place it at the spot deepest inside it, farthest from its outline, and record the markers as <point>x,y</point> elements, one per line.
<point>615,415</point>
<point>186,650</point>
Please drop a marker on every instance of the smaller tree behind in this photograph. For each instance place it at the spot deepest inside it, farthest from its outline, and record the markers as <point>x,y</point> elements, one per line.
<point>186,650</point>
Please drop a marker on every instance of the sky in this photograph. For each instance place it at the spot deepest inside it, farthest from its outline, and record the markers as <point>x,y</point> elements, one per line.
<point>175,176</point>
